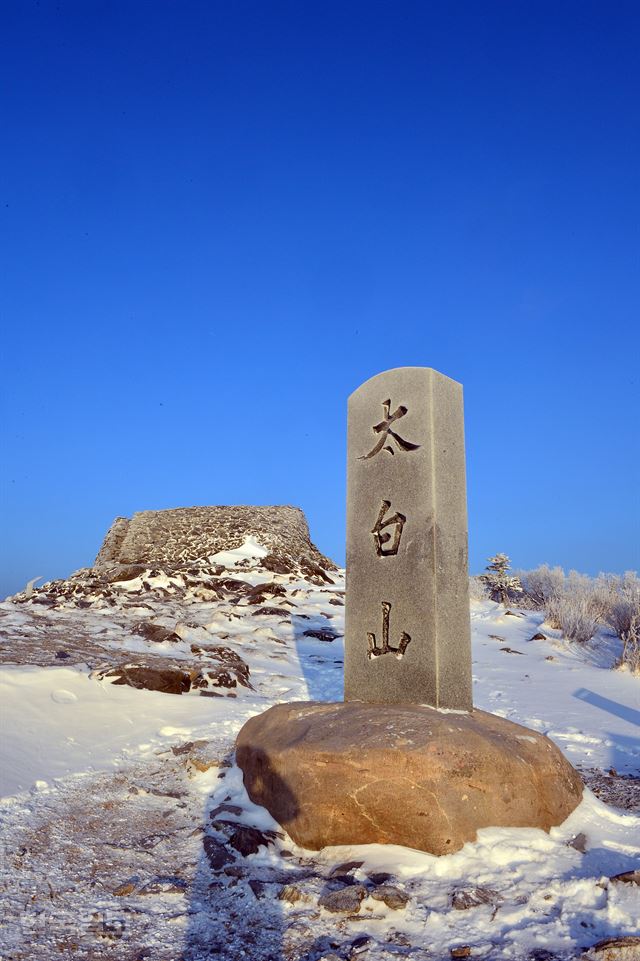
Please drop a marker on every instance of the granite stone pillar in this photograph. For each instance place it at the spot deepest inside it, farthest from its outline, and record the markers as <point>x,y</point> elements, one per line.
<point>407,636</point>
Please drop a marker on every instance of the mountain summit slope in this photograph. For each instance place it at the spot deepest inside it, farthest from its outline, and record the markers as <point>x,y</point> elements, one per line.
<point>128,833</point>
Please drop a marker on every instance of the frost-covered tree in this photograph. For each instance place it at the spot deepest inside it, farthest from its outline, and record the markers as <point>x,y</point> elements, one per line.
<point>499,581</point>
<point>542,583</point>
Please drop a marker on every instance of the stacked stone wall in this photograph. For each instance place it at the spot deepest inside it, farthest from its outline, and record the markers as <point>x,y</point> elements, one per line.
<point>191,535</point>
<point>112,544</point>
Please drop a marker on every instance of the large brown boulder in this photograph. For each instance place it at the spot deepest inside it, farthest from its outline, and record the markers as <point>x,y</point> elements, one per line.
<point>360,773</point>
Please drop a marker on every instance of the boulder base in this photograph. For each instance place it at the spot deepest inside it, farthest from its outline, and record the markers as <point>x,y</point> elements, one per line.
<point>355,773</point>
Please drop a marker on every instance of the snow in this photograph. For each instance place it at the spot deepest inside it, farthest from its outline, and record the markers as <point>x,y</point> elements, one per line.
<point>249,550</point>
<point>591,712</point>
<point>58,721</point>
<point>74,747</point>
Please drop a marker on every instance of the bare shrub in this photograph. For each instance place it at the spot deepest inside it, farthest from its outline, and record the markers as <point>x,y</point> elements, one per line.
<point>624,618</point>
<point>625,604</point>
<point>541,584</point>
<point>553,613</point>
<point>477,589</point>
<point>630,657</point>
<point>570,611</point>
<point>604,592</point>
<point>522,600</point>
<point>577,605</point>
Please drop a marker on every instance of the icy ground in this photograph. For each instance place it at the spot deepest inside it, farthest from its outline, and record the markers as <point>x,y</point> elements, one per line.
<point>128,834</point>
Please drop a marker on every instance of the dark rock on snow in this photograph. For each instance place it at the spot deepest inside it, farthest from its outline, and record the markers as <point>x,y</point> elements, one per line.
<point>167,680</point>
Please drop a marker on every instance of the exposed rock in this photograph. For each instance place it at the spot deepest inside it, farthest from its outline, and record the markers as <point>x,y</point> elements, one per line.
<point>313,572</point>
<point>380,877</point>
<point>620,790</point>
<point>244,838</point>
<point>216,853</point>
<point>167,680</point>
<point>198,765</point>
<point>352,773</point>
<point>627,877</point>
<point>225,809</point>
<point>157,633</point>
<point>292,894</point>
<point>164,885</point>
<point>233,586</point>
<point>538,637</point>
<point>579,842</point>
<point>464,951</point>
<point>257,888</point>
<point>274,612</point>
<point>345,900</point>
<point>465,898</point>
<point>187,747</point>
<point>360,943</point>
<point>345,867</point>
<point>614,949</point>
<point>261,592</point>
<point>392,896</point>
<point>215,677</point>
<point>127,887</point>
<point>125,573</point>
<point>321,635</point>
<point>277,565</point>
<point>231,671</point>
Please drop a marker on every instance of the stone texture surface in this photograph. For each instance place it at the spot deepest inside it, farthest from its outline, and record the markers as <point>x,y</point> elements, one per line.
<point>407,542</point>
<point>614,949</point>
<point>404,774</point>
<point>193,534</point>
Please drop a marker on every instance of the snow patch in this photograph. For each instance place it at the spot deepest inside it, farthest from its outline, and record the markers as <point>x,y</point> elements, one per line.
<point>249,550</point>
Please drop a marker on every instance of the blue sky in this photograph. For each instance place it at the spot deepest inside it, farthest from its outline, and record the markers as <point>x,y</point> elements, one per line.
<point>219,219</point>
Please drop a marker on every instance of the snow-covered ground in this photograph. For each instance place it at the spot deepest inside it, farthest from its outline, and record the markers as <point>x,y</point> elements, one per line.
<point>111,850</point>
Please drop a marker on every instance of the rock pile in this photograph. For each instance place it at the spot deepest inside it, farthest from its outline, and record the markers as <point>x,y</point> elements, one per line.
<point>191,536</point>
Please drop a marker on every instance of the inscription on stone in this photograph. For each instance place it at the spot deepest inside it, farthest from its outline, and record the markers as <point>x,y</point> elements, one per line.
<point>387,542</point>
<point>384,429</point>
<point>407,543</point>
<point>386,648</point>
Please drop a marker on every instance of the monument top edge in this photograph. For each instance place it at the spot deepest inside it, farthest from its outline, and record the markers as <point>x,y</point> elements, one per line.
<point>396,370</point>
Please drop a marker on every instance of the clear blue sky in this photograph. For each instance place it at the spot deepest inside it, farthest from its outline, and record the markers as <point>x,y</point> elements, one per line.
<point>218,219</point>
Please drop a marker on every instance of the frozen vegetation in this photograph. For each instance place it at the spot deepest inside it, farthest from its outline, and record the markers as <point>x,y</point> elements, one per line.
<point>577,605</point>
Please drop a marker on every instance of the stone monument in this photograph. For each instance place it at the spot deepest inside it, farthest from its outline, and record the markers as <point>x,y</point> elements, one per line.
<point>405,759</point>
<point>408,636</point>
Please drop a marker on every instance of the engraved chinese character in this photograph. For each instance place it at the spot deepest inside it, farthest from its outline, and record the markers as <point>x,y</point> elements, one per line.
<point>382,537</point>
<point>374,650</point>
<point>384,429</point>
